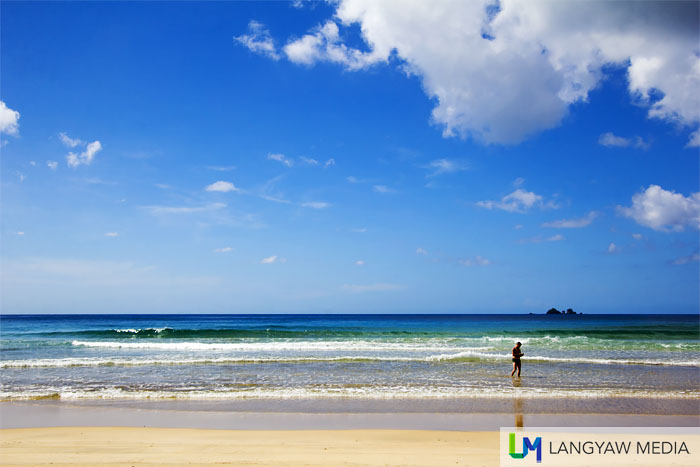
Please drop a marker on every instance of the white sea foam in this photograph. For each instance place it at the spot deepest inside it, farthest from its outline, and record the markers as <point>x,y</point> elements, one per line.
<point>279,345</point>
<point>367,392</point>
<point>258,359</point>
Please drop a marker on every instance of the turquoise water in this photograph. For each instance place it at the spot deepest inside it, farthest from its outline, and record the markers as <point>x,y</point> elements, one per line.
<point>76,357</point>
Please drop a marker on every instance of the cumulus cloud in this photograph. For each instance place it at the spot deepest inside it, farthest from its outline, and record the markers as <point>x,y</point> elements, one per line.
<point>85,157</point>
<point>421,251</point>
<point>540,239</point>
<point>53,165</point>
<point>258,40</point>
<point>280,158</point>
<point>378,287</point>
<point>112,234</point>
<point>612,248</point>
<point>316,205</point>
<point>637,236</point>
<point>272,259</point>
<point>70,142</point>
<point>664,210</point>
<point>221,168</point>
<point>517,201</point>
<point>383,189</point>
<point>501,71</point>
<point>359,262</point>
<point>328,163</point>
<point>572,223</point>
<point>308,160</point>
<point>694,258</point>
<point>477,261</point>
<point>611,140</point>
<point>226,249</point>
<point>20,233</point>
<point>9,120</point>
<point>221,186</point>
<point>324,43</point>
<point>156,210</point>
<point>694,140</point>
<point>444,166</point>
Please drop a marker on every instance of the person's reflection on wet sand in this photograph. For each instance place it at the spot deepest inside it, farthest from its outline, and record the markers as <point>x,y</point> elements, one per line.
<point>518,406</point>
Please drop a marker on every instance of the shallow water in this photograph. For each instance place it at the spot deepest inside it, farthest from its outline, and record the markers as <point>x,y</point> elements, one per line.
<point>231,357</point>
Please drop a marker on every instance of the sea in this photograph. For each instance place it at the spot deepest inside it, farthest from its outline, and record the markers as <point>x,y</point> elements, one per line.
<point>347,357</point>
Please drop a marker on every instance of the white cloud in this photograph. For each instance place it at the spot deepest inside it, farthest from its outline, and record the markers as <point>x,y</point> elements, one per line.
<point>325,44</point>
<point>517,201</point>
<point>280,158</point>
<point>258,40</point>
<point>360,230</point>
<point>112,234</point>
<point>664,210</point>
<point>70,142</point>
<point>328,163</point>
<point>308,160</point>
<point>637,236</point>
<point>477,261</point>
<point>517,226</point>
<point>540,239</point>
<point>184,209</point>
<point>163,186</point>
<point>53,165</point>
<point>272,259</point>
<point>421,251</point>
<point>268,191</point>
<point>694,258</point>
<point>383,189</point>
<point>360,262</point>
<point>9,120</point>
<point>222,168</point>
<point>378,287</point>
<point>316,205</point>
<point>20,233</point>
<point>611,140</point>
<point>22,177</point>
<point>572,223</point>
<point>226,249</point>
<point>612,248</point>
<point>221,186</point>
<point>443,166</point>
<point>518,182</point>
<point>500,72</point>
<point>32,163</point>
<point>694,140</point>
<point>352,179</point>
<point>85,157</point>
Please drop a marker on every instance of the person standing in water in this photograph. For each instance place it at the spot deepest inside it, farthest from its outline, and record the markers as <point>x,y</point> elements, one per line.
<point>516,359</point>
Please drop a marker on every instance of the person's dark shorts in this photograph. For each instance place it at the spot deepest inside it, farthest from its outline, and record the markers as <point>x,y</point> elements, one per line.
<point>516,360</point>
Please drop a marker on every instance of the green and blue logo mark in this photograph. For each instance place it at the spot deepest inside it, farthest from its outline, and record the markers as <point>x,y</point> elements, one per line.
<point>527,447</point>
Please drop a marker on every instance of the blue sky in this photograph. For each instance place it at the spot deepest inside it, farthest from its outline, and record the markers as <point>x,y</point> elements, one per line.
<point>349,156</point>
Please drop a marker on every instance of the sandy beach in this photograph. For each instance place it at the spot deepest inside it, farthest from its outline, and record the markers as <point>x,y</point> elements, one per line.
<point>148,446</point>
<point>60,433</point>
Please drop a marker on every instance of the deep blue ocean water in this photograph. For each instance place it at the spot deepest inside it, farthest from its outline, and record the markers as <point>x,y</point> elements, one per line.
<point>346,356</point>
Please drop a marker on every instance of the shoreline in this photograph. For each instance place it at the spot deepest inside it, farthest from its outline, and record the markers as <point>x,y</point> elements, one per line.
<point>355,415</point>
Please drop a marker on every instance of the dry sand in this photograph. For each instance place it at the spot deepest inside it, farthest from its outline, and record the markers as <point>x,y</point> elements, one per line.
<point>174,446</point>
